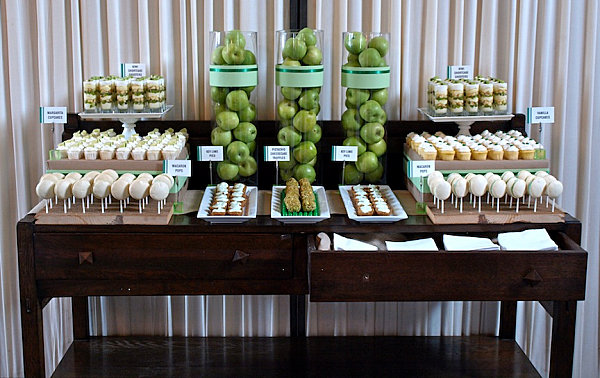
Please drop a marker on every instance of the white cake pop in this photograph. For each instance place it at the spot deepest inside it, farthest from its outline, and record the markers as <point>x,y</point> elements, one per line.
<point>460,190</point>
<point>478,186</point>
<point>536,189</point>
<point>74,176</point>
<point>58,175</point>
<point>554,190</point>
<point>104,177</point>
<point>147,177</point>
<point>442,192</point>
<point>138,190</point>
<point>49,177</point>
<point>81,189</point>
<point>112,173</point>
<point>127,177</point>
<point>541,173</point>
<point>523,174</point>
<point>120,190</point>
<point>90,176</point>
<point>497,190</point>
<point>159,191</point>
<point>507,175</point>
<point>101,190</point>
<point>172,180</point>
<point>63,190</point>
<point>45,190</point>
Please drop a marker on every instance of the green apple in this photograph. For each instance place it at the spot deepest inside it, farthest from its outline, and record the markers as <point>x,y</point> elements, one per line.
<point>376,175</point>
<point>248,167</point>
<point>249,58</point>
<point>227,171</point>
<point>357,97</point>
<point>218,94</point>
<point>355,42</point>
<point>308,36</point>
<point>219,107</point>
<point>234,54</point>
<point>314,134</point>
<point>369,58</point>
<point>291,62</point>
<point>352,176</point>
<point>313,162</point>
<point>372,132</point>
<point>366,162</point>
<point>247,114</point>
<point>249,90</point>
<point>235,37</point>
<point>371,111</point>
<point>288,164</point>
<point>305,152</point>
<point>291,93</point>
<point>237,151</point>
<point>287,109</point>
<point>378,148</point>
<point>348,104</point>
<point>316,110</point>
<point>246,132</point>
<point>356,141</point>
<point>351,120</point>
<point>217,57</point>
<point>294,49</point>
<point>251,146</point>
<point>237,100</point>
<point>380,44</point>
<point>313,56</point>
<point>352,58</point>
<point>228,120</point>
<point>220,137</point>
<point>286,173</point>
<point>288,136</point>
<point>309,99</point>
<point>380,95</point>
<point>306,171</point>
<point>304,121</point>
<point>352,64</point>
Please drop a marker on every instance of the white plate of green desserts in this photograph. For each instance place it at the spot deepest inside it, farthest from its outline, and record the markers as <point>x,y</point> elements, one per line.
<point>279,212</point>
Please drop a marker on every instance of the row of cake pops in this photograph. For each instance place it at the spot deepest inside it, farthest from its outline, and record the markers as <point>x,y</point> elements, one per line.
<point>508,185</point>
<point>104,186</point>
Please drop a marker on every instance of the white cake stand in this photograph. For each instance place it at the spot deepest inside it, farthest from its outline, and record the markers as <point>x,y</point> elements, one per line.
<point>128,119</point>
<point>464,122</point>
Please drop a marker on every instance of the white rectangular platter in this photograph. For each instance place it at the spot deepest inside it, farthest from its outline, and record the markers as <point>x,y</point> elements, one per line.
<point>250,210</point>
<point>324,212</point>
<point>398,212</point>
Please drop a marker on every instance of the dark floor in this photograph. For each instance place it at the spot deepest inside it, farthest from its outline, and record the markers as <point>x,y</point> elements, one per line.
<point>476,356</point>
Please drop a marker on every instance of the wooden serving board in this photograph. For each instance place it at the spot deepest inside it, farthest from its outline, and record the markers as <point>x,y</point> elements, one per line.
<point>470,215</point>
<point>112,215</point>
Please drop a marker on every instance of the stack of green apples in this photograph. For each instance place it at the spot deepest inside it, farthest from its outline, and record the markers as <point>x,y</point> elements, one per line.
<point>365,115</point>
<point>234,113</point>
<point>298,109</point>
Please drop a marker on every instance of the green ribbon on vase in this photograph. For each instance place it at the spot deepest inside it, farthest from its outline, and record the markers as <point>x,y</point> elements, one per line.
<point>299,76</point>
<point>233,76</point>
<point>366,77</point>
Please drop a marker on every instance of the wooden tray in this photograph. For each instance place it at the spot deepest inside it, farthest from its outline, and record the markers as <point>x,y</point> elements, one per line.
<point>470,215</point>
<point>82,165</point>
<point>94,215</point>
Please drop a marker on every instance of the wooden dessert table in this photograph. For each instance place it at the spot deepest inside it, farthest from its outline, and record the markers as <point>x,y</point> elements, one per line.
<point>264,256</point>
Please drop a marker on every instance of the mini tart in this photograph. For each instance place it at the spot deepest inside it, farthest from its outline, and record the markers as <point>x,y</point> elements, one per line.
<point>463,153</point>
<point>526,153</point>
<point>495,153</point>
<point>446,154</point>
<point>479,153</point>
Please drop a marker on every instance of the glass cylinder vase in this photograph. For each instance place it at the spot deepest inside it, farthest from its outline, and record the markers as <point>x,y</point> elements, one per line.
<point>366,77</point>
<point>233,79</point>
<point>299,78</point>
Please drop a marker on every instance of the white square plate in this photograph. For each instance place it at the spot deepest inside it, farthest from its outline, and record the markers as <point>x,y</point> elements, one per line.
<point>203,212</point>
<point>276,207</point>
<point>398,212</point>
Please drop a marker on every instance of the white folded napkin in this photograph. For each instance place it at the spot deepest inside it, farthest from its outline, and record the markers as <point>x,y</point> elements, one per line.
<point>528,240</point>
<point>341,243</point>
<point>412,245</point>
<point>468,243</point>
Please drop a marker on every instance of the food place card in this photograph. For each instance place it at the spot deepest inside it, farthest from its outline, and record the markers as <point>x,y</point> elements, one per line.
<point>460,72</point>
<point>53,114</point>
<point>344,153</point>
<point>540,114</point>
<point>421,168</point>
<point>178,167</point>
<point>133,69</point>
<point>210,153</point>
<point>277,153</point>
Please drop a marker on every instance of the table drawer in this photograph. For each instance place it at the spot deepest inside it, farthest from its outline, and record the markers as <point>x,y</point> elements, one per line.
<point>443,275</point>
<point>163,256</point>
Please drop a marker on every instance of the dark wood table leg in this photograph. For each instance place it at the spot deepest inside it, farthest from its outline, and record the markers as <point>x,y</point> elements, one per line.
<point>297,315</point>
<point>31,306</point>
<point>80,318</point>
<point>563,338</point>
<point>508,319</point>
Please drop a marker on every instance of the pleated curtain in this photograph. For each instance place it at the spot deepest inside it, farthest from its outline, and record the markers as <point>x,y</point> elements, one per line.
<point>548,51</point>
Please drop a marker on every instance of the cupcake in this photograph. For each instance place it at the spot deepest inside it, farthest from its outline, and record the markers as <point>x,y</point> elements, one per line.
<point>526,152</point>
<point>170,152</point>
<point>463,153</point>
<point>479,152</point>
<point>153,152</point>
<point>428,152</point>
<point>511,152</point>
<point>446,152</point>
<point>107,152</point>
<point>416,141</point>
<point>495,152</point>
<point>63,150</point>
<point>75,152</point>
<point>139,153</point>
<point>90,153</point>
<point>123,153</point>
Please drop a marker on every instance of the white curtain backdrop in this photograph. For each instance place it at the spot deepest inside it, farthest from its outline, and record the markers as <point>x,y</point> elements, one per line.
<point>548,51</point>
